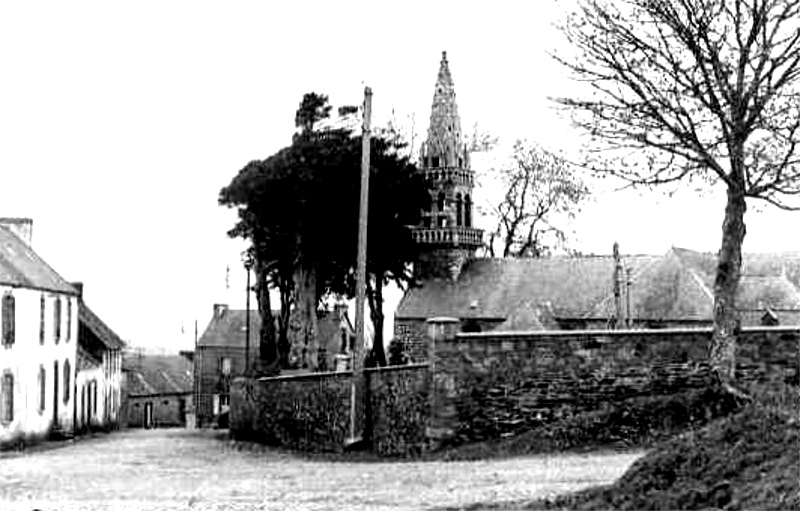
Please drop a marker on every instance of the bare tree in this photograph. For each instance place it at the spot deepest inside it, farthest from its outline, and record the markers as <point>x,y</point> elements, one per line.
<point>539,189</point>
<point>694,89</point>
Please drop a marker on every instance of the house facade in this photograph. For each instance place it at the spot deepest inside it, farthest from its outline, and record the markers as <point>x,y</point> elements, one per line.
<point>222,351</point>
<point>99,377</point>
<point>39,341</point>
<point>157,391</point>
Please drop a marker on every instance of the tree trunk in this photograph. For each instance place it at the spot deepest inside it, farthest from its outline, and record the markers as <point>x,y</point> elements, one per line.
<point>268,352</point>
<point>376,314</point>
<point>729,265</point>
<point>303,325</point>
<point>284,346</point>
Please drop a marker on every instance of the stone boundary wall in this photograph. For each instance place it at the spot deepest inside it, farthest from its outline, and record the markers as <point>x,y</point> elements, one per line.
<point>488,385</point>
<point>311,412</point>
<point>398,408</point>
<point>492,384</point>
<point>304,412</point>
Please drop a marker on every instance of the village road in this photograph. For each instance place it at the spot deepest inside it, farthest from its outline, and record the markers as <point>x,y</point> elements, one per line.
<point>180,469</point>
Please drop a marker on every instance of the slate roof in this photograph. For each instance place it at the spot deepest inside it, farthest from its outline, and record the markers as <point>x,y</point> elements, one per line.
<point>492,288</point>
<point>97,326</point>
<point>158,374</point>
<point>228,329</point>
<point>20,266</point>
<point>677,286</point>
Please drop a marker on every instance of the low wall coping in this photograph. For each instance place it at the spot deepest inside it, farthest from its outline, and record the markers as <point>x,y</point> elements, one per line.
<point>306,376</point>
<point>390,368</point>
<point>618,333</point>
<point>338,374</point>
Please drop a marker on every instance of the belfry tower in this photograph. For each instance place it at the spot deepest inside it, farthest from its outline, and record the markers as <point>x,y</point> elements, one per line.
<point>446,235</point>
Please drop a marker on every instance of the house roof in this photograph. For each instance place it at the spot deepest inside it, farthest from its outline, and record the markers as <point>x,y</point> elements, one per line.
<point>158,374</point>
<point>677,286</point>
<point>20,266</point>
<point>97,326</point>
<point>227,328</point>
<point>493,288</point>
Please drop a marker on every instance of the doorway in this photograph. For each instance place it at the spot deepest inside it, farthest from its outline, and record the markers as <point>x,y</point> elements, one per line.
<point>148,415</point>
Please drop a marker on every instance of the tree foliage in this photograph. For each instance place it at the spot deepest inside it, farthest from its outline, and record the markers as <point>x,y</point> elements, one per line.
<point>540,191</point>
<point>705,90</point>
<point>299,208</point>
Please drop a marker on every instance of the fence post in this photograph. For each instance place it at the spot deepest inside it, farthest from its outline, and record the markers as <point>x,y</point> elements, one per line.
<point>443,413</point>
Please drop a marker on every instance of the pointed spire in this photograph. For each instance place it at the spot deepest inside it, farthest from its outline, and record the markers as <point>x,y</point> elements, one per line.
<point>444,144</point>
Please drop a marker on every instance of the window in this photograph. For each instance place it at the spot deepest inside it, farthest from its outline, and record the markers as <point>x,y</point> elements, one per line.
<point>435,161</point>
<point>8,318</point>
<point>69,319</point>
<point>67,378</point>
<point>42,388</point>
<point>440,202</point>
<point>459,209</point>
<point>57,319</point>
<point>467,211</point>
<point>94,397</point>
<point>225,366</point>
<point>7,398</point>
<point>41,319</point>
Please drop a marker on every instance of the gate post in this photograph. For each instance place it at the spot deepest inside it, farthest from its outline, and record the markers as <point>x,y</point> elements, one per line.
<point>443,413</point>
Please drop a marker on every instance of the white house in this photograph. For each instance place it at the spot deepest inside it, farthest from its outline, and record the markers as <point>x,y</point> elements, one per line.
<point>99,376</point>
<point>39,341</point>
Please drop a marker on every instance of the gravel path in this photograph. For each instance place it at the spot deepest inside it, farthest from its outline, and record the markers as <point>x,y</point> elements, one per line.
<point>179,469</point>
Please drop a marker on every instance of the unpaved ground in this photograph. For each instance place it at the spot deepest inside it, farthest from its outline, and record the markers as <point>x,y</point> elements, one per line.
<point>179,469</point>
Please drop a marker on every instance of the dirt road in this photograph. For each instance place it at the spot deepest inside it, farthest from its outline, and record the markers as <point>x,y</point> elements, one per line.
<point>179,469</point>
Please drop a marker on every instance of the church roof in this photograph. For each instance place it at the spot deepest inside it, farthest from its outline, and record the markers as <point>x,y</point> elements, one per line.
<point>677,286</point>
<point>20,266</point>
<point>493,288</point>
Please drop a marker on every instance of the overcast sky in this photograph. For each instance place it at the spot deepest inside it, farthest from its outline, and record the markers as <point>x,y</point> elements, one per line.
<point>120,122</point>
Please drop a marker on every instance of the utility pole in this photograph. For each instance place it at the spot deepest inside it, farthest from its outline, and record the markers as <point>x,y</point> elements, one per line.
<point>248,263</point>
<point>358,382</point>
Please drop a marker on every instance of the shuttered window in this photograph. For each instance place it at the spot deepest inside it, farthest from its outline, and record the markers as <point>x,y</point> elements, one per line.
<point>41,319</point>
<point>67,380</point>
<point>42,388</point>
<point>8,318</point>
<point>57,319</point>
<point>69,319</point>
<point>7,398</point>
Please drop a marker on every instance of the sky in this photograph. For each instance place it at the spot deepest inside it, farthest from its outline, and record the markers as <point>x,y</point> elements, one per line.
<point>121,121</point>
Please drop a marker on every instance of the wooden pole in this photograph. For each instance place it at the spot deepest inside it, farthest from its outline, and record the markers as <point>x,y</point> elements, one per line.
<point>358,383</point>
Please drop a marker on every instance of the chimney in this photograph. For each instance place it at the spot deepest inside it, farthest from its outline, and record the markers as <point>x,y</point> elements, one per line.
<point>220,309</point>
<point>22,227</point>
<point>79,288</point>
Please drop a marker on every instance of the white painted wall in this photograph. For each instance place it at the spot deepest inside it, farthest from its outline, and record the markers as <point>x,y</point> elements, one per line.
<point>24,358</point>
<point>107,378</point>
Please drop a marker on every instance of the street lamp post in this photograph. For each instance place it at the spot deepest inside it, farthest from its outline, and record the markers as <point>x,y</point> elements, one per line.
<point>248,265</point>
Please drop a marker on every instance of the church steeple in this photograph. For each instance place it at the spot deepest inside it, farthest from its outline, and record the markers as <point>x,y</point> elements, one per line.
<point>446,234</point>
<point>444,146</point>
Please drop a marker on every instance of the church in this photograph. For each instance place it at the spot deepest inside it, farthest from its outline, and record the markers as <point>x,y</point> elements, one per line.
<point>674,289</point>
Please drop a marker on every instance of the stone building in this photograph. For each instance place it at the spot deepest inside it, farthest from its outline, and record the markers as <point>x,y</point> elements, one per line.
<point>39,341</point>
<point>559,293</point>
<point>221,352</point>
<point>157,391</point>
